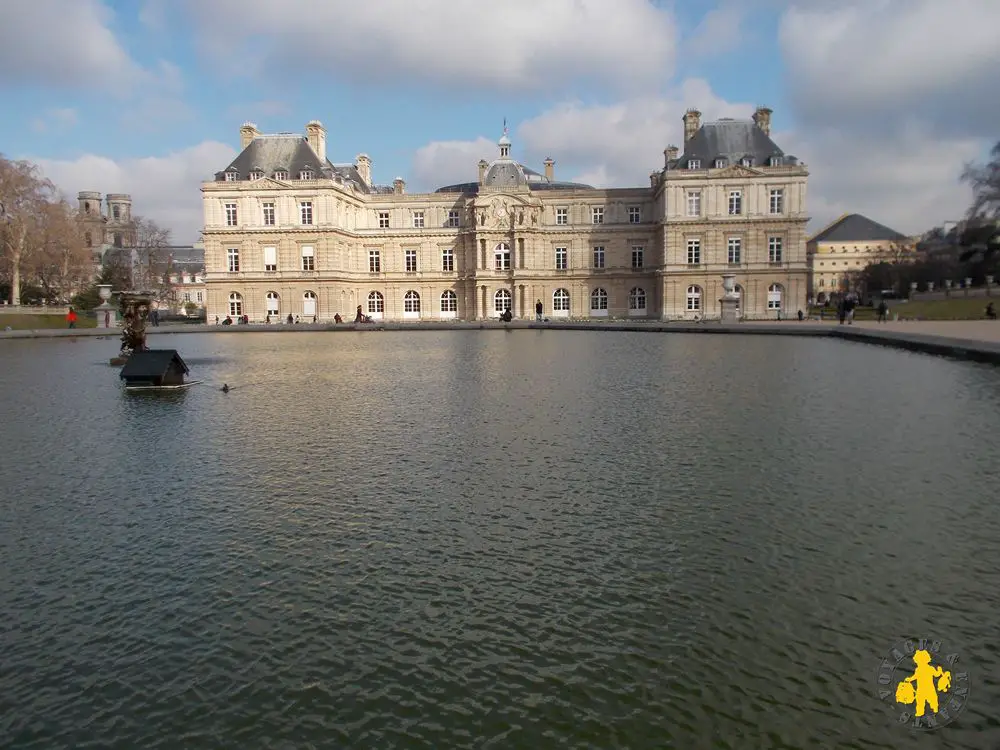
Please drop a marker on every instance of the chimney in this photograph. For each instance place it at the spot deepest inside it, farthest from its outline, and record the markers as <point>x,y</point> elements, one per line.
<point>654,179</point>
<point>549,169</point>
<point>670,154</point>
<point>364,166</point>
<point>316,135</point>
<point>692,121</point>
<point>247,133</point>
<point>762,119</point>
<point>398,186</point>
<point>482,170</point>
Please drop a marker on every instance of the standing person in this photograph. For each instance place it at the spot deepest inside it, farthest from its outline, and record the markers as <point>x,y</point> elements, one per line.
<point>71,318</point>
<point>538,310</point>
<point>842,311</point>
<point>883,311</point>
<point>849,304</point>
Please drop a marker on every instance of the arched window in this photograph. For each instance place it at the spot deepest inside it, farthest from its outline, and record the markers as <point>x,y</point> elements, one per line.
<point>449,304</point>
<point>774,294</point>
<point>598,303</point>
<point>411,305</point>
<point>309,304</point>
<point>376,304</point>
<point>235,305</point>
<point>637,301</point>
<point>560,303</point>
<point>501,301</point>
<point>273,308</point>
<point>501,257</point>
<point>694,298</point>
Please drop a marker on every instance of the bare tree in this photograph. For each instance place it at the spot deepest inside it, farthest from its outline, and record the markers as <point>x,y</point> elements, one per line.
<point>62,263</point>
<point>151,256</point>
<point>24,194</point>
<point>979,237</point>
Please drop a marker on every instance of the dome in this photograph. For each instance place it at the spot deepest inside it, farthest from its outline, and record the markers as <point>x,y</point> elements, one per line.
<point>504,173</point>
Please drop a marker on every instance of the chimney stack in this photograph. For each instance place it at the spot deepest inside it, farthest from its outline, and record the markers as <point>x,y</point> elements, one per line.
<point>398,186</point>
<point>762,119</point>
<point>247,133</point>
<point>692,121</point>
<point>316,135</point>
<point>482,170</point>
<point>670,154</point>
<point>364,166</point>
<point>550,169</point>
<point>654,179</point>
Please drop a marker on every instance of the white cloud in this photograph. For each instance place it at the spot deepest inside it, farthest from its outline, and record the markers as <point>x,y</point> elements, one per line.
<point>449,162</point>
<point>58,119</point>
<point>863,64</point>
<point>163,188</point>
<point>512,45</point>
<point>61,43</point>
<point>719,31</point>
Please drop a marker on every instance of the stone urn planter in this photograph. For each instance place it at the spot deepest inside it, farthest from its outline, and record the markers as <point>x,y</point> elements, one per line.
<point>729,284</point>
<point>930,286</point>
<point>104,291</point>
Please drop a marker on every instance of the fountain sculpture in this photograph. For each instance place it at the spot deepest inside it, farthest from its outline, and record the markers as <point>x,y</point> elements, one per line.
<point>135,307</point>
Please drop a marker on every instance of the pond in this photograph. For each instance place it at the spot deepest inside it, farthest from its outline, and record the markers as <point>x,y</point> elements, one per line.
<point>473,539</point>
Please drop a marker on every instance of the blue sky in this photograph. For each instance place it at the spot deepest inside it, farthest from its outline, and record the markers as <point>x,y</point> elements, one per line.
<point>147,96</point>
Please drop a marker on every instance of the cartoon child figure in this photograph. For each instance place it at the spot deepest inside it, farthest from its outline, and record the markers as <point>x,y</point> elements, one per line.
<point>926,694</point>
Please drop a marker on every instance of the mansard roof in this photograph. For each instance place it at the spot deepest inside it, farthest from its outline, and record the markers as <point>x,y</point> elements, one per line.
<point>291,153</point>
<point>857,228</point>
<point>731,140</point>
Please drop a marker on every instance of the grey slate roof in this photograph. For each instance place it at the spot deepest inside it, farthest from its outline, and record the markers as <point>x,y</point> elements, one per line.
<point>857,228</point>
<point>732,140</point>
<point>152,362</point>
<point>291,153</point>
<point>507,172</point>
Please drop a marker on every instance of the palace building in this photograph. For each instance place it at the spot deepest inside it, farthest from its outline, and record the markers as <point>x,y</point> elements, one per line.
<point>287,231</point>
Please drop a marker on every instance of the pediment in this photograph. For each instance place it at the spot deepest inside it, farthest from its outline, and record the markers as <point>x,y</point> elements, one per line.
<point>738,170</point>
<point>269,183</point>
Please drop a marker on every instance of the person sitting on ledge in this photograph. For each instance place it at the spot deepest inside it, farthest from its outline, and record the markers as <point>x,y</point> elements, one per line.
<point>228,321</point>
<point>506,316</point>
<point>337,319</point>
<point>991,313</point>
<point>288,320</point>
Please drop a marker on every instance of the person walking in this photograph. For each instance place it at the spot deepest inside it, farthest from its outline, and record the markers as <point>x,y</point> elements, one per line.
<point>71,318</point>
<point>538,311</point>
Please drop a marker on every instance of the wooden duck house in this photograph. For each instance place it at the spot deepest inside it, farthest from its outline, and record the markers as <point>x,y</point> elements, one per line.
<point>155,368</point>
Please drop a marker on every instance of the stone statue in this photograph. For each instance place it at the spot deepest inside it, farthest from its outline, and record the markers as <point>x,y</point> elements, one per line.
<point>135,312</point>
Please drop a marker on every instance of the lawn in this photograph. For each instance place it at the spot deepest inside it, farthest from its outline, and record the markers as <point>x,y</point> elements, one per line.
<point>956,308</point>
<point>32,322</point>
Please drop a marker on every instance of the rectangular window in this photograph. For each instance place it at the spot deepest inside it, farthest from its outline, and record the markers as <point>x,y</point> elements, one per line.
<point>735,202</point>
<point>598,256</point>
<point>694,252</point>
<point>733,248</point>
<point>281,175</point>
<point>308,258</point>
<point>383,219</point>
<point>562,216</point>
<point>597,215</point>
<point>637,253</point>
<point>374,261</point>
<point>268,214</point>
<point>231,176</point>
<point>561,259</point>
<point>306,174</point>
<point>777,203</point>
<point>418,219</point>
<point>270,259</point>
<point>411,259</point>
<point>234,259</point>
<point>187,296</point>
<point>231,215</point>
<point>694,164</point>
<point>694,203</point>
<point>774,246</point>
<point>306,212</point>
<point>447,260</point>
<point>199,297</point>
<point>501,257</point>
<point>453,219</point>
<point>634,215</point>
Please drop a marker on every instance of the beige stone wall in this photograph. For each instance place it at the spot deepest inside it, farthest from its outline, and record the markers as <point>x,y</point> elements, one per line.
<point>346,230</point>
<point>832,263</point>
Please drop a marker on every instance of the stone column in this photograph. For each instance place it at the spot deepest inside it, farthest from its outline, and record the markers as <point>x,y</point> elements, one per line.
<point>482,312</point>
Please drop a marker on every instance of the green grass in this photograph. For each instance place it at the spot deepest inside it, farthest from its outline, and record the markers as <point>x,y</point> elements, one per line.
<point>956,308</point>
<point>33,322</point>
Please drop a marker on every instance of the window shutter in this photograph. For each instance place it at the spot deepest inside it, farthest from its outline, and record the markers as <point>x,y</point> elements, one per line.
<point>270,256</point>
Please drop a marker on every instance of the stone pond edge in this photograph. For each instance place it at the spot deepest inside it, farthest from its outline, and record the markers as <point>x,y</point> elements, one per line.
<point>956,348</point>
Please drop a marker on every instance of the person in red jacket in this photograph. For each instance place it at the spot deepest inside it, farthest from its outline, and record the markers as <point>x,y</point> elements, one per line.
<point>71,318</point>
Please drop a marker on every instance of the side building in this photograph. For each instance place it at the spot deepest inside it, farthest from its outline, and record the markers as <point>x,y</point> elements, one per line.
<point>287,231</point>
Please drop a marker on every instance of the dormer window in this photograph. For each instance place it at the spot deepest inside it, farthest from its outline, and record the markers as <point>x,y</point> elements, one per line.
<point>306,174</point>
<point>257,174</point>
<point>281,174</point>
<point>694,163</point>
<point>746,161</point>
<point>232,176</point>
<point>774,161</point>
<point>720,163</point>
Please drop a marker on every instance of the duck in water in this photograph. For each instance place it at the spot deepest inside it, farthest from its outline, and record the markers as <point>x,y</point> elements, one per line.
<point>225,388</point>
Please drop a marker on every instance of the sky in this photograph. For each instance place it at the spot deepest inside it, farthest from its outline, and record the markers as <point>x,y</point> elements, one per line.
<point>886,101</point>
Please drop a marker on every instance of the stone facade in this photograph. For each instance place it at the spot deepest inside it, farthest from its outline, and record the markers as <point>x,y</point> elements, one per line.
<point>289,232</point>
